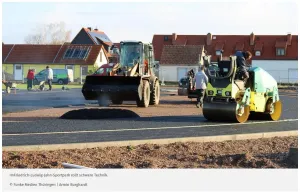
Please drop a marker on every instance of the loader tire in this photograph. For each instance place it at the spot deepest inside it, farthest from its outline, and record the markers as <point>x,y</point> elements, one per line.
<point>145,95</point>
<point>155,94</point>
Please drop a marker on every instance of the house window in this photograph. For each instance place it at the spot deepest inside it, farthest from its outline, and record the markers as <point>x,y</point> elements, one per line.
<point>166,38</point>
<point>101,56</point>
<point>257,53</point>
<point>280,52</point>
<point>218,52</point>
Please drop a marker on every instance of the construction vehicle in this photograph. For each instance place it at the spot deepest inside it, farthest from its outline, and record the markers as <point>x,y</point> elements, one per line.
<point>229,98</point>
<point>132,79</point>
<point>186,85</point>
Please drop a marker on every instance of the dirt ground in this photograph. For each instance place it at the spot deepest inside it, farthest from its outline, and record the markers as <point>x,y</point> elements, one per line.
<point>259,153</point>
<point>171,105</point>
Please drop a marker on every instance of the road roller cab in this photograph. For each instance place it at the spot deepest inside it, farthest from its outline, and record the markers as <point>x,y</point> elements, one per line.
<point>228,97</point>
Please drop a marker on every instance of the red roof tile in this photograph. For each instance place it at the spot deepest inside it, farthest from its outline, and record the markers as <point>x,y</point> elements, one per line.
<point>230,45</point>
<point>239,46</point>
<point>25,53</point>
<point>93,54</point>
<point>5,50</point>
<point>180,54</point>
<point>281,44</point>
<point>219,46</point>
<point>159,41</point>
<point>258,46</point>
<point>43,54</point>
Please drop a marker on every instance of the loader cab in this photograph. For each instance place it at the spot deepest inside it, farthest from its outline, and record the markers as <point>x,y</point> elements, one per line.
<point>131,53</point>
<point>136,52</point>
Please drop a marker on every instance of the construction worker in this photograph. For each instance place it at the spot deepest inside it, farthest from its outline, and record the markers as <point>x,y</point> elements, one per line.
<point>134,55</point>
<point>241,58</point>
<point>201,80</point>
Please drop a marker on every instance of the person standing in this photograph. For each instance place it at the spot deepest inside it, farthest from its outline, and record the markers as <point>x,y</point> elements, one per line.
<point>201,80</point>
<point>49,77</point>
<point>30,78</point>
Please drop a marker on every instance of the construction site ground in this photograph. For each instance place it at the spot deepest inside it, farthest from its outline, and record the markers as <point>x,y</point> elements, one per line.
<point>256,153</point>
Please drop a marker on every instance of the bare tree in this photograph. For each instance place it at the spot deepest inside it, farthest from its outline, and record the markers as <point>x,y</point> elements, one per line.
<point>53,33</point>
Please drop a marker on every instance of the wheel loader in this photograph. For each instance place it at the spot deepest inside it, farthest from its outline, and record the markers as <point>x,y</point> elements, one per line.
<point>132,79</point>
<point>230,98</point>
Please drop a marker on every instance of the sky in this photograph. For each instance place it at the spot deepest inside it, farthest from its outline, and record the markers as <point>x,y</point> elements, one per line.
<point>141,20</point>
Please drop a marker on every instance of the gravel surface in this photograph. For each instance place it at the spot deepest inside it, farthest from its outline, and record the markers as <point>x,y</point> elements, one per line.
<point>259,153</point>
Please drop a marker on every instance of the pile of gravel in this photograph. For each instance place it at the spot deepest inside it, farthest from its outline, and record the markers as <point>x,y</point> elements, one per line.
<point>99,114</point>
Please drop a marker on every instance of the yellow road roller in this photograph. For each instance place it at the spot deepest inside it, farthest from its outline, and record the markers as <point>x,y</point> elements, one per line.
<point>229,98</point>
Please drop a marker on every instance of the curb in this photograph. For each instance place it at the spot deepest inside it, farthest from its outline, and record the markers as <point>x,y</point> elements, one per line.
<point>151,141</point>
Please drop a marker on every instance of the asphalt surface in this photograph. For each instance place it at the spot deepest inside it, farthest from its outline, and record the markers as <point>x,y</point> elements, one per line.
<point>24,100</point>
<point>59,131</point>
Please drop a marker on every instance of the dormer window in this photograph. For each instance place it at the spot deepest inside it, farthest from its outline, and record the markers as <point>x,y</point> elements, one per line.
<point>257,53</point>
<point>218,52</point>
<point>280,51</point>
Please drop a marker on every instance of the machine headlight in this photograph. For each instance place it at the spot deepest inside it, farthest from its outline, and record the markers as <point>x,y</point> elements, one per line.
<point>210,92</point>
<point>228,93</point>
<point>219,92</point>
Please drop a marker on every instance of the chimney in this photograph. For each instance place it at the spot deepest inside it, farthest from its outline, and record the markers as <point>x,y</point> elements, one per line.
<point>252,39</point>
<point>90,28</point>
<point>174,37</point>
<point>289,39</point>
<point>208,39</point>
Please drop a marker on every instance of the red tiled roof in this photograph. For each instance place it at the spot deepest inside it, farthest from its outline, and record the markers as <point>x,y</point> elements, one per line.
<point>43,54</point>
<point>180,40</point>
<point>219,46</point>
<point>26,53</point>
<point>230,45</point>
<point>258,46</point>
<point>281,44</point>
<point>180,54</point>
<point>239,46</point>
<point>5,50</point>
<point>93,54</point>
<point>159,42</point>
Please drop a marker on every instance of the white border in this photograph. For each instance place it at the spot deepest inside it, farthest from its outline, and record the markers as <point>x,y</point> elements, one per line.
<point>226,177</point>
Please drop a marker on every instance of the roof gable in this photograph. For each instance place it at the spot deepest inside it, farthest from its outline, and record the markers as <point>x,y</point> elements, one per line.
<point>98,36</point>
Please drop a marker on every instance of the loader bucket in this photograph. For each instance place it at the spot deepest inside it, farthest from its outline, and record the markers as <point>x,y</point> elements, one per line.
<point>120,87</point>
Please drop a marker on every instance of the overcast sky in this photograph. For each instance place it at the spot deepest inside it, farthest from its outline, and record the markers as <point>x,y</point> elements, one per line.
<point>140,20</point>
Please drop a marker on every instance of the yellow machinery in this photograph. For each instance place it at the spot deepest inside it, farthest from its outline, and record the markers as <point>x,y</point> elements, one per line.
<point>228,98</point>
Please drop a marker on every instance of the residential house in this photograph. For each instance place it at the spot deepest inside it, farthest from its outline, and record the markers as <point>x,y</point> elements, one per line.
<point>277,54</point>
<point>82,58</point>
<point>93,37</point>
<point>177,60</point>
